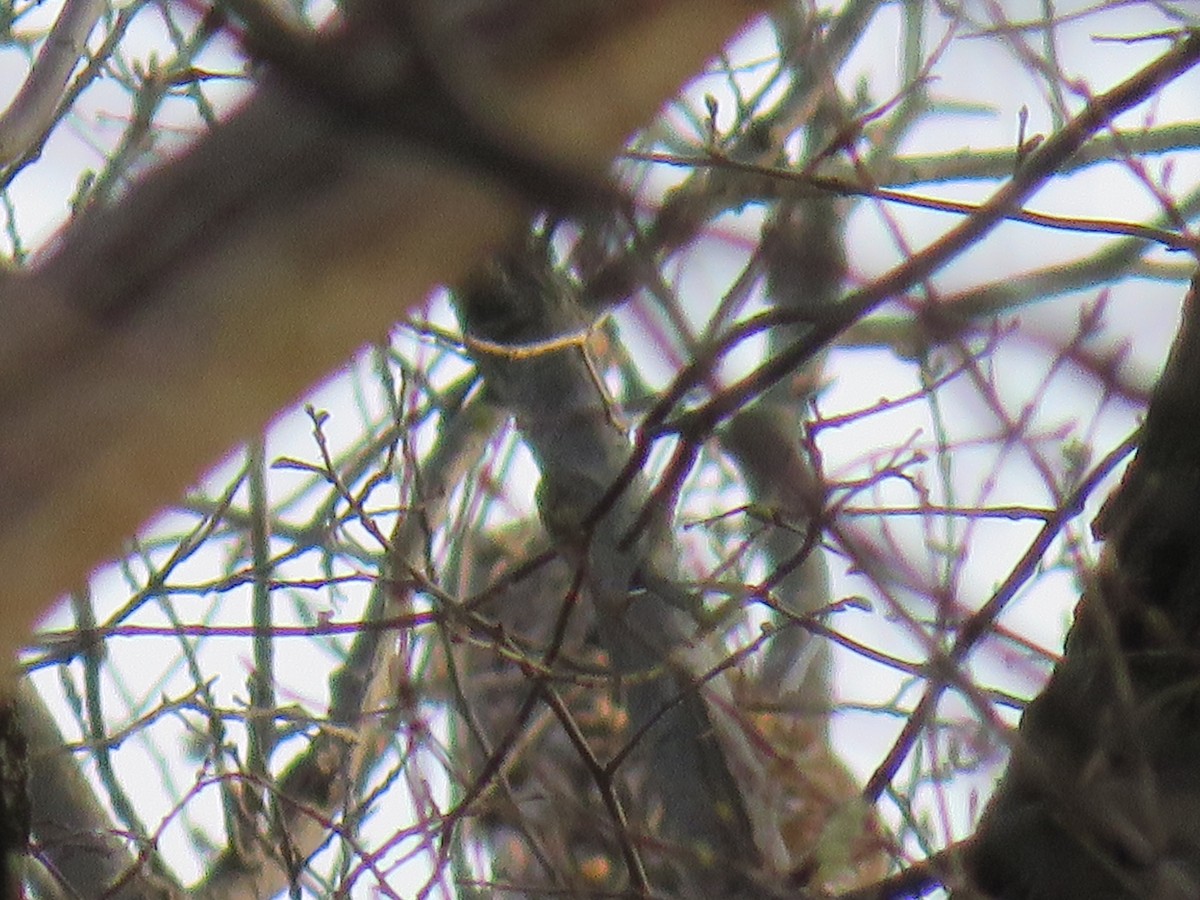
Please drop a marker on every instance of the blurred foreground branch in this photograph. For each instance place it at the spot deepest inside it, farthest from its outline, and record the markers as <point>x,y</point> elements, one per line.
<point>166,328</point>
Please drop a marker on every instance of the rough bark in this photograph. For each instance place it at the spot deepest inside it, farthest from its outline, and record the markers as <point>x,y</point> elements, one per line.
<point>1102,796</point>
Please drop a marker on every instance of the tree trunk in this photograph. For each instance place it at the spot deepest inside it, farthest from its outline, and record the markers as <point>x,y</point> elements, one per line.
<point>1102,796</point>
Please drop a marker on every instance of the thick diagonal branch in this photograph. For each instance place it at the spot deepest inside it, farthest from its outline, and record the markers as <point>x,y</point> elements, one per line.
<point>165,329</point>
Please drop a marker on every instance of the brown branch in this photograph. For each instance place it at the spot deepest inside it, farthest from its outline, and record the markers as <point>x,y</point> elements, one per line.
<point>1038,167</point>
<point>843,187</point>
<point>173,325</point>
<point>981,622</point>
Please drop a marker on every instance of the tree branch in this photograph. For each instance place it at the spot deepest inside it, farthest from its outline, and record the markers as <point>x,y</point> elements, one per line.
<point>33,109</point>
<point>169,327</point>
<point>1100,797</point>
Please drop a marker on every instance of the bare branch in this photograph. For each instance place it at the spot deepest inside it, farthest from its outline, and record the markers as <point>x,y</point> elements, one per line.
<point>169,327</point>
<point>34,107</point>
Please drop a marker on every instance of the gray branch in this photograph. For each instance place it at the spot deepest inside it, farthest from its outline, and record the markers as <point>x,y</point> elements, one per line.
<point>33,109</point>
<point>645,621</point>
